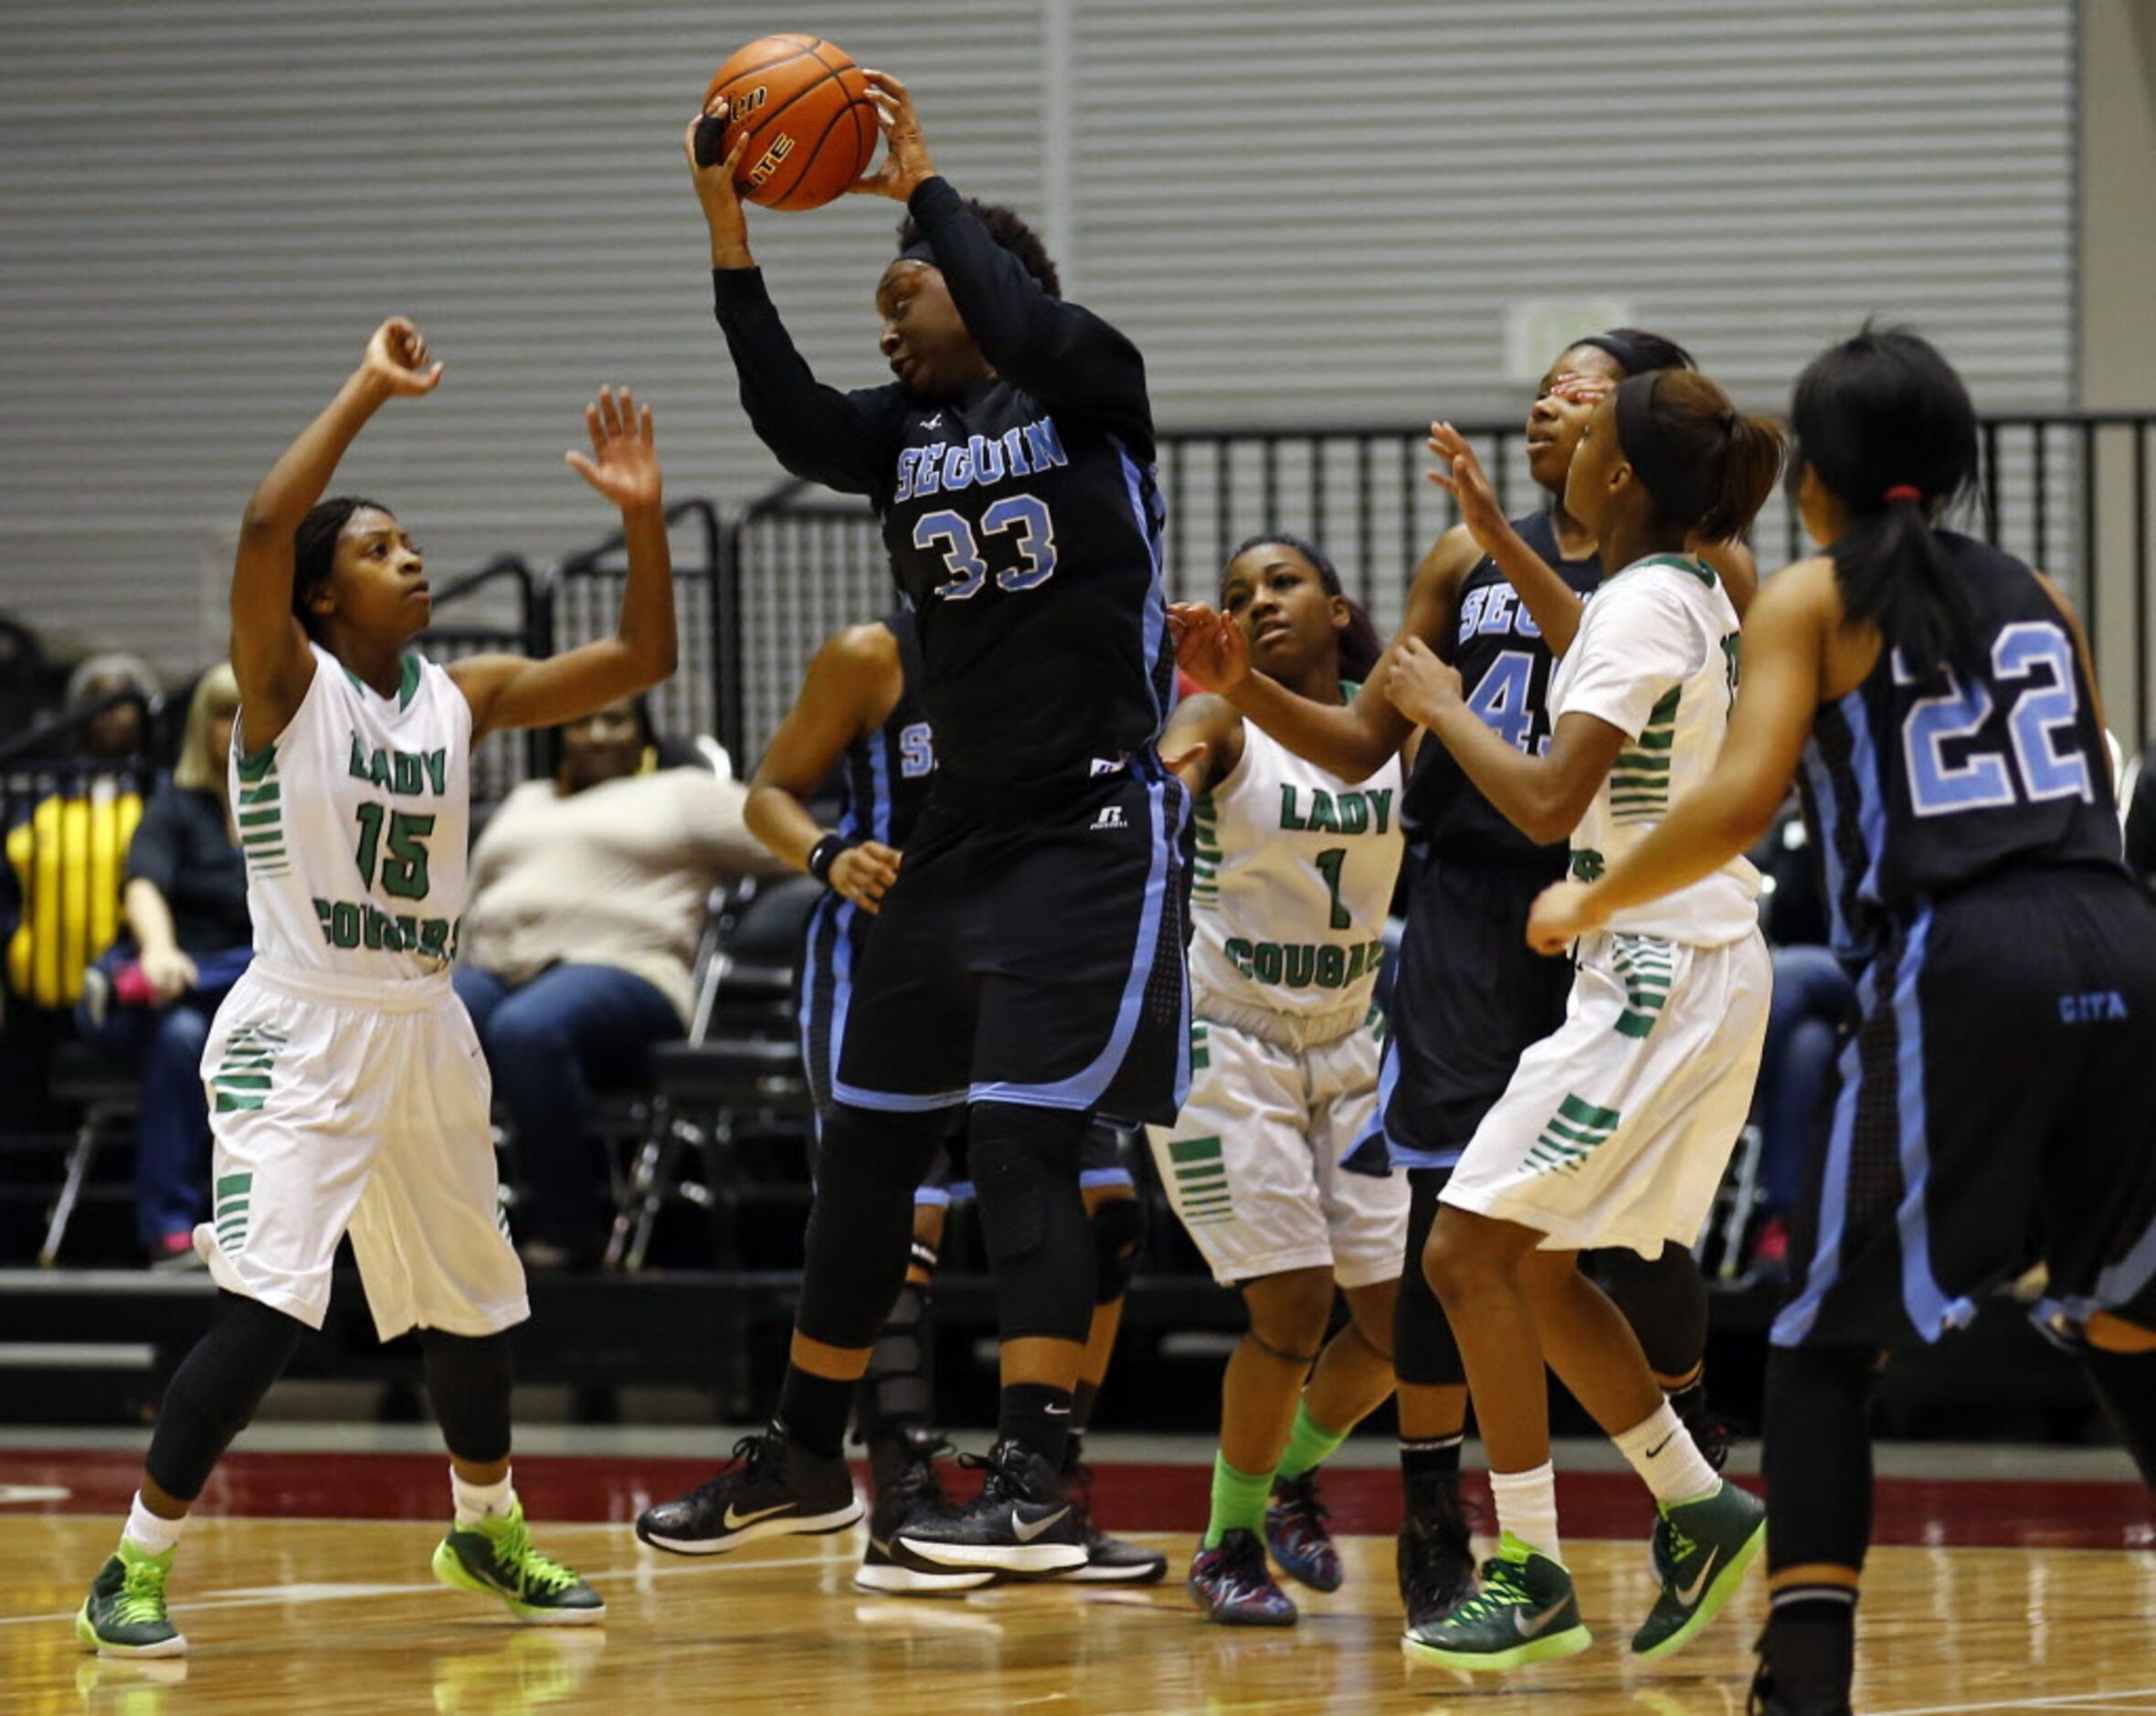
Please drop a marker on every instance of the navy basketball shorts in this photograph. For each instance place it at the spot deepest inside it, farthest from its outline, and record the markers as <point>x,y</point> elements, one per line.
<point>1029,953</point>
<point>1994,1107</point>
<point>1468,998</point>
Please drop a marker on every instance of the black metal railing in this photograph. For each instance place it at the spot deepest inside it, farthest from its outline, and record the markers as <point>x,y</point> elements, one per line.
<point>2067,490</point>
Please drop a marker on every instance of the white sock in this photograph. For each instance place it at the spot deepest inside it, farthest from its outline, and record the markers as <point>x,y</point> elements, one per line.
<point>1526,1506</point>
<point>150,1532</point>
<point>1666,1458</point>
<point>477,1501</point>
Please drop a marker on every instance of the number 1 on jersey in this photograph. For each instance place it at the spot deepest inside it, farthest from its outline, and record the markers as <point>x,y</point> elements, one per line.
<point>1329,863</point>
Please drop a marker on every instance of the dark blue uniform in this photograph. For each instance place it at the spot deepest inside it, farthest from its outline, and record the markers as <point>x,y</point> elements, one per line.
<point>1996,1105</point>
<point>887,775</point>
<point>1468,997</point>
<point>1032,949</point>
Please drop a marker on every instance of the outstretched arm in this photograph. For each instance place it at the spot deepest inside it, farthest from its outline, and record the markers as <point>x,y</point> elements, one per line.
<point>1554,603</point>
<point>1354,741</point>
<point>270,654</point>
<point>853,683</point>
<point>513,690</point>
<point>1783,668</point>
<point>1057,352</point>
<point>814,430</point>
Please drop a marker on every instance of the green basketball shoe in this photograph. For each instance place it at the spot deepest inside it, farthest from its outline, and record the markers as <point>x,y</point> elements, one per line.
<point>124,1614</point>
<point>494,1557</point>
<point>1525,1613</point>
<point>1702,1549</point>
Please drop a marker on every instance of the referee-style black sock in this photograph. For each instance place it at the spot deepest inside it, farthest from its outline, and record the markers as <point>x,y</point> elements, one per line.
<point>1428,1466</point>
<point>812,1410</point>
<point>1037,1416</point>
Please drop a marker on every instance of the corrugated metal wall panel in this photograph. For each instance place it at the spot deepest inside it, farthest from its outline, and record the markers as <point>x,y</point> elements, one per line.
<point>1304,212</point>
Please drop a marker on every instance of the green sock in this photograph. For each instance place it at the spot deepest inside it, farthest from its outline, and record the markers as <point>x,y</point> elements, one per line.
<point>1238,1501</point>
<point>1309,1443</point>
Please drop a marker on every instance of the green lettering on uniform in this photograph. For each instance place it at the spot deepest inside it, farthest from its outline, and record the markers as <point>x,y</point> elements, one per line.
<point>1321,813</point>
<point>343,925</point>
<point>407,777</point>
<point>1355,813</point>
<point>1358,957</point>
<point>357,767</point>
<point>1587,864</point>
<point>1288,818</point>
<point>1381,800</point>
<point>1240,953</point>
<point>1332,965</point>
<point>438,770</point>
<point>1299,963</point>
<point>1267,961</point>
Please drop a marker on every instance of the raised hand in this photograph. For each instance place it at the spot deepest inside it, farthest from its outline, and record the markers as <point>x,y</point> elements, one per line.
<point>397,358</point>
<point>718,189</point>
<point>864,874</point>
<point>1583,386</point>
<point>1209,647</point>
<point>905,154</point>
<point>1561,914</point>
<point>1417,682</point>
<point>623,464</point>
<point>1460,475</point>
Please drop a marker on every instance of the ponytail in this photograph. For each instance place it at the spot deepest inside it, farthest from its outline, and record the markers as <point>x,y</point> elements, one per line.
<point>1361,648</point>
<point>1709,467</point>
<point>1886,425</point>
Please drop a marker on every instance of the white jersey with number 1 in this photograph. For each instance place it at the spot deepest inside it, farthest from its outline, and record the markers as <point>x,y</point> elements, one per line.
<point>354,821</point>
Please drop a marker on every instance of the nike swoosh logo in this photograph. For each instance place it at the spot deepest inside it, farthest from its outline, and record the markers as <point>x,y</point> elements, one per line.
<point>1057,1412</point>
<point>1027,1533</point>
<point>1538,1626</point>
<point>734,1521</point>
<point>1689,1594</point>
<point>1665,1441</point>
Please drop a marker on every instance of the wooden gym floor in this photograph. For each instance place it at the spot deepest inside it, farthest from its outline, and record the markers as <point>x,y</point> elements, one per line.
<point>303,1585</point>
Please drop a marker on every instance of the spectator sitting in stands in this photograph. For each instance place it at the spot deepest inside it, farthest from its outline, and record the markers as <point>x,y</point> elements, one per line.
<point>587,900</point>
<point>121,734</point>
<point>1812,994</point>
<point>149,999</point>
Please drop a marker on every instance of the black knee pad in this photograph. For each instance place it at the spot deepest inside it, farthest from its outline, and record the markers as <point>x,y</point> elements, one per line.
<point>1424,1354</point>
<point>861,1227</point>
<point>213,1394</point>
<point>1034,1220</point>
<point>1818,1463</point>
<point>1118,1238</point>
<point>1665,1300</point>
<point>468,1379</point>
<point>897,1390</point>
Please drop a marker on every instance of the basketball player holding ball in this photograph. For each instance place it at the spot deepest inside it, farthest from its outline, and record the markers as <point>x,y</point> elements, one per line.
<point>1028,962</point>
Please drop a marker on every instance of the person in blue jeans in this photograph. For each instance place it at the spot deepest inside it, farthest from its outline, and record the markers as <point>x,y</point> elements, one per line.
<point>148,1000</point>
<point>587,896</point>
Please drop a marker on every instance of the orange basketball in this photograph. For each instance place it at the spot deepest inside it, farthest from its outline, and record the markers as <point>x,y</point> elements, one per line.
<point>812,129</point>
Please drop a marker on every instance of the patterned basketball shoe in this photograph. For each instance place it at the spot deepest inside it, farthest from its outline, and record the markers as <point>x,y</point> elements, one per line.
<point>1296,1533</point>
<point>1232,1584</point>
<point>773,1487</point>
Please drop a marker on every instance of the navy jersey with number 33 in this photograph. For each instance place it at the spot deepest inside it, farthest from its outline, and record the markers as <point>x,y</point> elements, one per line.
<point>1021,517</point>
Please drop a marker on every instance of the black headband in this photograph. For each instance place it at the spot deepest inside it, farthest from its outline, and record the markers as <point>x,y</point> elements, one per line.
<point>1632,357</point>
<point>920,250</point>
<point>1681,491</point>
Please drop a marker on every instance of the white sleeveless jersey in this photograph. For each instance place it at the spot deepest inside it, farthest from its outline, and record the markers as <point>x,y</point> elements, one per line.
<point>1294,872</point>
<point>354,824</point>
<point>1655,657</point>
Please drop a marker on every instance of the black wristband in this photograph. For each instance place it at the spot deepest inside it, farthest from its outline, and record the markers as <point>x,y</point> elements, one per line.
<point>825,853</point>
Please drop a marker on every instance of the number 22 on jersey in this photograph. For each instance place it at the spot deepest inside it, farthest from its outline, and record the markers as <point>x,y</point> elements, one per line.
<point>2036,659</point>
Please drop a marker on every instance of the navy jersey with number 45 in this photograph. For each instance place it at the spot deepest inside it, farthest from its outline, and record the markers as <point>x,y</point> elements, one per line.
<point>1916,789</point>
<point>1021,517</point>
<point>1504,667</point>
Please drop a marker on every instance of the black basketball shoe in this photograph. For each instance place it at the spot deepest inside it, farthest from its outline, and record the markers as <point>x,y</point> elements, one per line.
<point>1436,1554</point>
<point>771,1488</point>
<point>1022,1523</point>
<point>1108,1559</point>
<point>902,1467</point>
<point>1712,1433</point>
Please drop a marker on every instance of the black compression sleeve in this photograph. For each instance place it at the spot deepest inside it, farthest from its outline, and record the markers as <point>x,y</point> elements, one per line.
<point>815,431</point>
